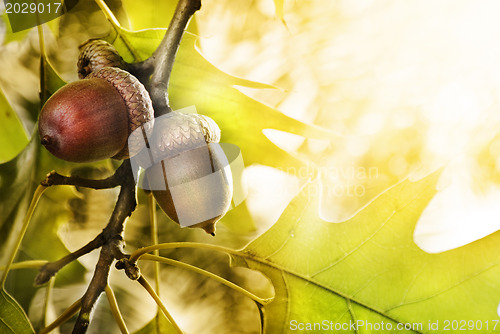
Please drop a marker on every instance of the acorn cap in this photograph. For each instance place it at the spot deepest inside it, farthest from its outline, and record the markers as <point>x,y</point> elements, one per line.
<point>177,132</point>
<point>139,107</point>
<point>96,54</point>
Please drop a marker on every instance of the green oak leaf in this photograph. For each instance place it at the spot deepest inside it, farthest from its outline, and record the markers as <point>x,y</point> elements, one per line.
<point>50,79</point>
<point>195,81</point>
<point>20,177</point>
<point>369,268</point>
<point>17,175</point>
<point>13,137</point>
<point>144,14</point>
<point>12,317</point>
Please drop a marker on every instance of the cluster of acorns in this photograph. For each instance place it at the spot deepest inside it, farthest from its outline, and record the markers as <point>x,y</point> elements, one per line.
<point>109,114</point>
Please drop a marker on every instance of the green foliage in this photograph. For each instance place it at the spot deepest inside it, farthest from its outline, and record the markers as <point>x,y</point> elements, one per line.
<point>143,14</point>
<point>50,80</point>
<point>19,177</point>
<point>369,269</point>
<point>12,317</point>
<point>14,197</point>
<point>195,81</point>
<point>12,134</point>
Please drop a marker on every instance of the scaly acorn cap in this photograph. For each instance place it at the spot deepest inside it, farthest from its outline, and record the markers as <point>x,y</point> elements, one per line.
<point>139,106</point>
<point>173,134</point>
<point>96,54</point>
<point>181,132</point>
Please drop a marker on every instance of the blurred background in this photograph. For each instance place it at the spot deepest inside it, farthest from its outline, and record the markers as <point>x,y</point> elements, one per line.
<point>406,87</point>
<point>409,86</point>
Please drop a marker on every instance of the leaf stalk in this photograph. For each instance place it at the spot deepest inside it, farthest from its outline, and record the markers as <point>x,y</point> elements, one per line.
<point>258,300</point>
<point>158,301</point>
<point>34,201</point>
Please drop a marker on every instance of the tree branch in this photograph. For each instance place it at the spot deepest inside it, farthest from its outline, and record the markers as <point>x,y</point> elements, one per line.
<point>96,287</point>
<point>112,233</point>
<point>162,60</point>
<point>51,268</point>
<point>158,67</point>
<point>55,179</point>
<point>124,207</point>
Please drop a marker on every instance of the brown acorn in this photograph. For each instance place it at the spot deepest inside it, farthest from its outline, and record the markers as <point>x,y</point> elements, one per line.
<point>92,119</point>
<point>189,174</point>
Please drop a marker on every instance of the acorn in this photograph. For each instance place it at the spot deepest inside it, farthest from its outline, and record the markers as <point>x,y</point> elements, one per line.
<point>93,119</point>
<point>96,54</point>
<point>188,172</point>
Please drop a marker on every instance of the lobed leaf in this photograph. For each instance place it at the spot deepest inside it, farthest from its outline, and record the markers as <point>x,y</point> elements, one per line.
<point>144,14</point>
<point>369,268</point>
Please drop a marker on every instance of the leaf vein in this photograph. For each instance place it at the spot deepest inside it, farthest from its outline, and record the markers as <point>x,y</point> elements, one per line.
<point>283,270</point>
<point>346,255</point>
<point>474,275</point>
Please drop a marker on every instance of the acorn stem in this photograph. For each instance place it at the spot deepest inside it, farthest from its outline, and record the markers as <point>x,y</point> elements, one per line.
<point>112,235</point>
<point>236,287</point>
<point>159,302</point>
<point>136,255</point>
<point>27,218</point>
<point>66,315</point>
<point>113,303</point>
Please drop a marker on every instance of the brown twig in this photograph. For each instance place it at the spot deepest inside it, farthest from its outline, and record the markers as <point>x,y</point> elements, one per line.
<point>112,234</point>
<point>124,207</point>
<point>110,239</point>
<point>96,287</point>
<point>55,179</point>
<point>51,268</point>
